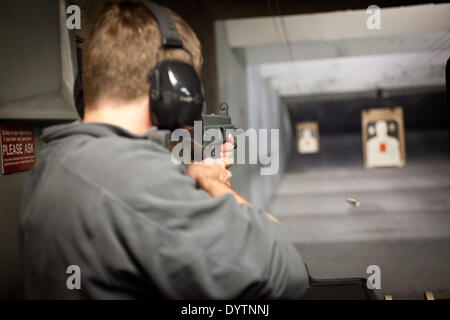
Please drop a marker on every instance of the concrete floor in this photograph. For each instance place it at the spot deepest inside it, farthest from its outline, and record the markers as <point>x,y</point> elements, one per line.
<point>403,224</point>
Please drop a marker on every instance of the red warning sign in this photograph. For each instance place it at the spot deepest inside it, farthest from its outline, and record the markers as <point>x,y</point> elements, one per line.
<point>18,148</point>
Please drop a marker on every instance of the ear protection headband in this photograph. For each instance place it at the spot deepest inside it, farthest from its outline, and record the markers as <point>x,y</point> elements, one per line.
<point>176,93</point>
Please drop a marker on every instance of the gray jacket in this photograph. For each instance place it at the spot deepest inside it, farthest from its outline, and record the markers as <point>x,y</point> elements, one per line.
<point>113,204</point>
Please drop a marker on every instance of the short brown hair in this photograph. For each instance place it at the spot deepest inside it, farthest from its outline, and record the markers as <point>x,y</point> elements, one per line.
<point>123,48</point>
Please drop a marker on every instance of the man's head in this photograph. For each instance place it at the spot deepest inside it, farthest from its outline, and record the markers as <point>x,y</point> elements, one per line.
<point>123,48</point>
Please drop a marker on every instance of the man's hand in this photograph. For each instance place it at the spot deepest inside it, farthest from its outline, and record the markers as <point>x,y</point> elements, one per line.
<point>209,169</point>
<point>227,151</point>
<point>226,154</point>
<point>213,176</point>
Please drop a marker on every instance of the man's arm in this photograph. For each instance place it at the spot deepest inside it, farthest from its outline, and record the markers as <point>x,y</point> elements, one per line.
<point>203,244</point>
<point>214,178</point>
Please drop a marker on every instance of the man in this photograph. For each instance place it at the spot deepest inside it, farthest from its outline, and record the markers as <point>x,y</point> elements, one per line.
<point>105,203</point>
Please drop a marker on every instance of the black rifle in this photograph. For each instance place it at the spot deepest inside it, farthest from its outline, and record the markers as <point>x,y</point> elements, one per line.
<point>221,122</point>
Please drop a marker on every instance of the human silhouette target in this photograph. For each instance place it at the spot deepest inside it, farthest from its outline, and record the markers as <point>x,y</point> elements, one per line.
<point>383,138</point>
<point>307,137</point>
<point>383,147</point>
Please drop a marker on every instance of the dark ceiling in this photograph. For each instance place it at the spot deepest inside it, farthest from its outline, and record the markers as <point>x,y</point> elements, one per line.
<point>232,9</point>
<point>423,109</point>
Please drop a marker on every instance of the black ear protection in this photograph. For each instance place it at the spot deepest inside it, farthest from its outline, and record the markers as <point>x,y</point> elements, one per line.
<point>176,92</point>
<point>77,86</point>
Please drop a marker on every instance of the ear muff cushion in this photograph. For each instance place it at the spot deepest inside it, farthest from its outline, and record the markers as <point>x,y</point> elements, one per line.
<point>78,86</point>
<point>78,96</point>
<point>179,100</point>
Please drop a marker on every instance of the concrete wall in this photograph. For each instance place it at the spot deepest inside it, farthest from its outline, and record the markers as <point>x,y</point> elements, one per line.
<point>267,111</point>
<point>253,105</point>
<point>10,277</point>
<point>333,52</point>
<point>232,80</point>
<point>338,25</point>
<point>10,195</point>
<point>37,71</point>
<point>37,66</point>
